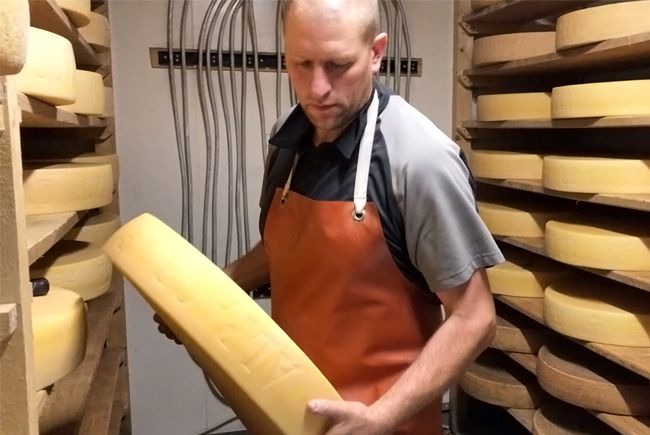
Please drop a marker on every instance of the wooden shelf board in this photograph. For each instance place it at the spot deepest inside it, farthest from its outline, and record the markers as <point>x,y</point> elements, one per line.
<point>640,280</point>
<point>8,320</point>
<point>120,402</point>
<point>625,424</point>
<point>526,360</point>
<point>522,10</point>
<point>635,202</point>
<point>41,398</point>
<point>45,230</point>
<point>523,416</point>
<point>602,122</point>
<point>47,15</point>
<point>36,113</point>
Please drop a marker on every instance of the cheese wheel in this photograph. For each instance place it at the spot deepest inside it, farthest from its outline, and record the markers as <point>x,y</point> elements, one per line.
<point>506,164</point>
<point>577,376</point>
<point>517,219</point>
<point>494,378</point>
<point>77,266</point>
<point>59,331</point>
<point>612,244</point>
<point>95,227</point>
<point>512,46</point>
<point>623,98</point>
<point>512,107</point>
<point>262,373</point>
<point>14,34</point>
<point>558,418</point>
<point>111,159</point>
<point>62,187</point>
<point>90,94</point>
<point>599,311</point>
<point>600,23</point>
<point>77,10</point>
<point>523,274</point>
<point>96,32</point>
<point>48,74</point>
<point>596,175</point>
<point>518,333</point>
<point>480,4</point>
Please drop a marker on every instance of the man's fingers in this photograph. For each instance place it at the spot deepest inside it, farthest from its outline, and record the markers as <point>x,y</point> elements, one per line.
<point>336,410</point>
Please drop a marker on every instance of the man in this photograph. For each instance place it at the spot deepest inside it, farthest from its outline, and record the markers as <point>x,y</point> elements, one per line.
<point>368,223</point>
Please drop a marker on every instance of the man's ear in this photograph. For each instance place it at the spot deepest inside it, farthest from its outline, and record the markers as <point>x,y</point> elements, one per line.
<point>378,49</point>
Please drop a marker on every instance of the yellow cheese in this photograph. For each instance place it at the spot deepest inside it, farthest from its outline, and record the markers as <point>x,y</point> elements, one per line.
<point>14,33</point>
<point>611,244</point>
<point>600,311</point>
<point>523,274</point>
<point>96,32</point>
<point>48,74</point>
<point>506,164</point>
<point>108,158</point>
<point>262,373</point>
<point>559,418</point>
<point>95,227</point>
<point>586,26</point>
<point>59,328</point>
<point>623,98</point>
<point>596,175</point>
<point>517,219</point>
<point>512,46</point>
<point>480,4</point>
<point>512,107</point>
<point>57,188</point>
<point>90,94</point>
<point>77,10</point>
<point>76,266</point>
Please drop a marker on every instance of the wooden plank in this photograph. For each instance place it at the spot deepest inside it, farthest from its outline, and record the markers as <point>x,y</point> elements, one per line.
<point>64,411</point>
<point>523,416</point>
<point>45,230</point>
<point>520,11</point>
<point>532,307</point>
<point>626,425</point>
<point>47,15</point>
<point>8,321</point>
<point>601,122</point>
<point>117,332</point>
<point>526,360</point>
<point>120,403</point>
<point>39,114</point>
<point>41,398</point>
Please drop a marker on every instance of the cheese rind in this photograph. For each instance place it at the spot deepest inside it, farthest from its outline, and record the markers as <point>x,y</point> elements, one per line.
<point>513,220</point>
<point>514,334</point>
<point>94,228</point>
<point>261,372</point>
<point>559,418</point>
<point>512,46</point>
<point>506,165</point>
<point>77,10</point>
<point>110,159</point>
<point>89,88</point>
<point>513,107</point>
<point>96,32</point>
<point>622,98</point>
<point>14,34</point>
<point>59,331</point>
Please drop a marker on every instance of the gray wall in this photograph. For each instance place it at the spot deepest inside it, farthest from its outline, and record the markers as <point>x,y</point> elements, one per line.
<point>168,393</point>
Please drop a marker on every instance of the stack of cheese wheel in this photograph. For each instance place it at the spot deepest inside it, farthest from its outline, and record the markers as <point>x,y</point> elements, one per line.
<point>49,71</point>
<point>95,227</point>
<point>578,376</point>
<point>512,46</point>
<point>596,174</point>
<point>14,33</point>
<point>78,266</point>
<point>261,372</point>
<point>524,274</point>
<point>64,187</point>
<point>516,218</point>
<point>598,310</point>
<point>600,23</point>
<point>518,333</point>
<point>109,158</point>
<point>612,243</point>
<point>494,378</point>
<point>59,331</point>
<point>514,107</point>
<point>90,93</point>
<point>96,32</point>
<point>558,418</point>
<point>506,165</point>
<point>77,10</point>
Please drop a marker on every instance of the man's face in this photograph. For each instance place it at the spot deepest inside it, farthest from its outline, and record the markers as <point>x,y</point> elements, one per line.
<point>331,68</point>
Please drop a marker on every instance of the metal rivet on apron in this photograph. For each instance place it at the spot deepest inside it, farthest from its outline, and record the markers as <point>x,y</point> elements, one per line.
<point>358,217</point>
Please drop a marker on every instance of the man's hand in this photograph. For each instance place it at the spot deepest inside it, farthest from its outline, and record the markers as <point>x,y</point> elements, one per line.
<point>164,329</point>
<point>350,418</point>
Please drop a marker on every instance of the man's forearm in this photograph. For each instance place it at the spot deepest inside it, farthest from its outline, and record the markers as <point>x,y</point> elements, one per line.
<point>250,271</point>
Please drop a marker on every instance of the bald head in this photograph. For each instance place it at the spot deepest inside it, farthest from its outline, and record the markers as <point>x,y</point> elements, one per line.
<point>364,13</point>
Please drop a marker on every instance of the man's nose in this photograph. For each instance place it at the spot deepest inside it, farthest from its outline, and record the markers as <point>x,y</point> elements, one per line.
<point>320,83</point>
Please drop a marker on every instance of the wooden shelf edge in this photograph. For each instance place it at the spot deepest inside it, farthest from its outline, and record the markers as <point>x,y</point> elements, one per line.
<point>521,10</point>
<point>523,417</point>
<point>8,320</point>
<point>45,230</point>
<point>627,425</point>
<point>577,123</point>
<point>526,360</point>
<point>36,113</point>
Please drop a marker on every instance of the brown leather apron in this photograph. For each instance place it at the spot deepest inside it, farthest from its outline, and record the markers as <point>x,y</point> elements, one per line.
<point>338,293</point>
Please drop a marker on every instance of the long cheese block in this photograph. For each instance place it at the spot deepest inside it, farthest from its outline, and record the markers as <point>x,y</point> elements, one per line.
<point>577,376</point>
<point>518,333</point>
<point>523,274</point>
<point>95,227</point>
<point>14,33</point>
<point>599,311</point>
<point>89,88</point>
<point>77,10</point>
<point>600,23</point>
<point>61,187</point>
<point>262,373</point>
<point>558,418</point>
<point>494,378</point>
<point>48,74</point>
<point>77,266</point>
<point>603,243</point>
<point>110,158</point>
<point>59,330</point>
<point>506,164</point>
<point>512,46</point>
<point>96,32</point>
<point>622,98</point>
<point>596,175</point>
<point>517,219</point>
<point>512,107</point>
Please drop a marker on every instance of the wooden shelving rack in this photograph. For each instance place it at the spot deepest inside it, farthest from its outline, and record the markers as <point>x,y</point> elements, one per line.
<point>612,57</point>
<point>93,399</point>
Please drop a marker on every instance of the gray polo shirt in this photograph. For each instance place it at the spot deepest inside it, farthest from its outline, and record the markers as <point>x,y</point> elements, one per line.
<point>419,182</point>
